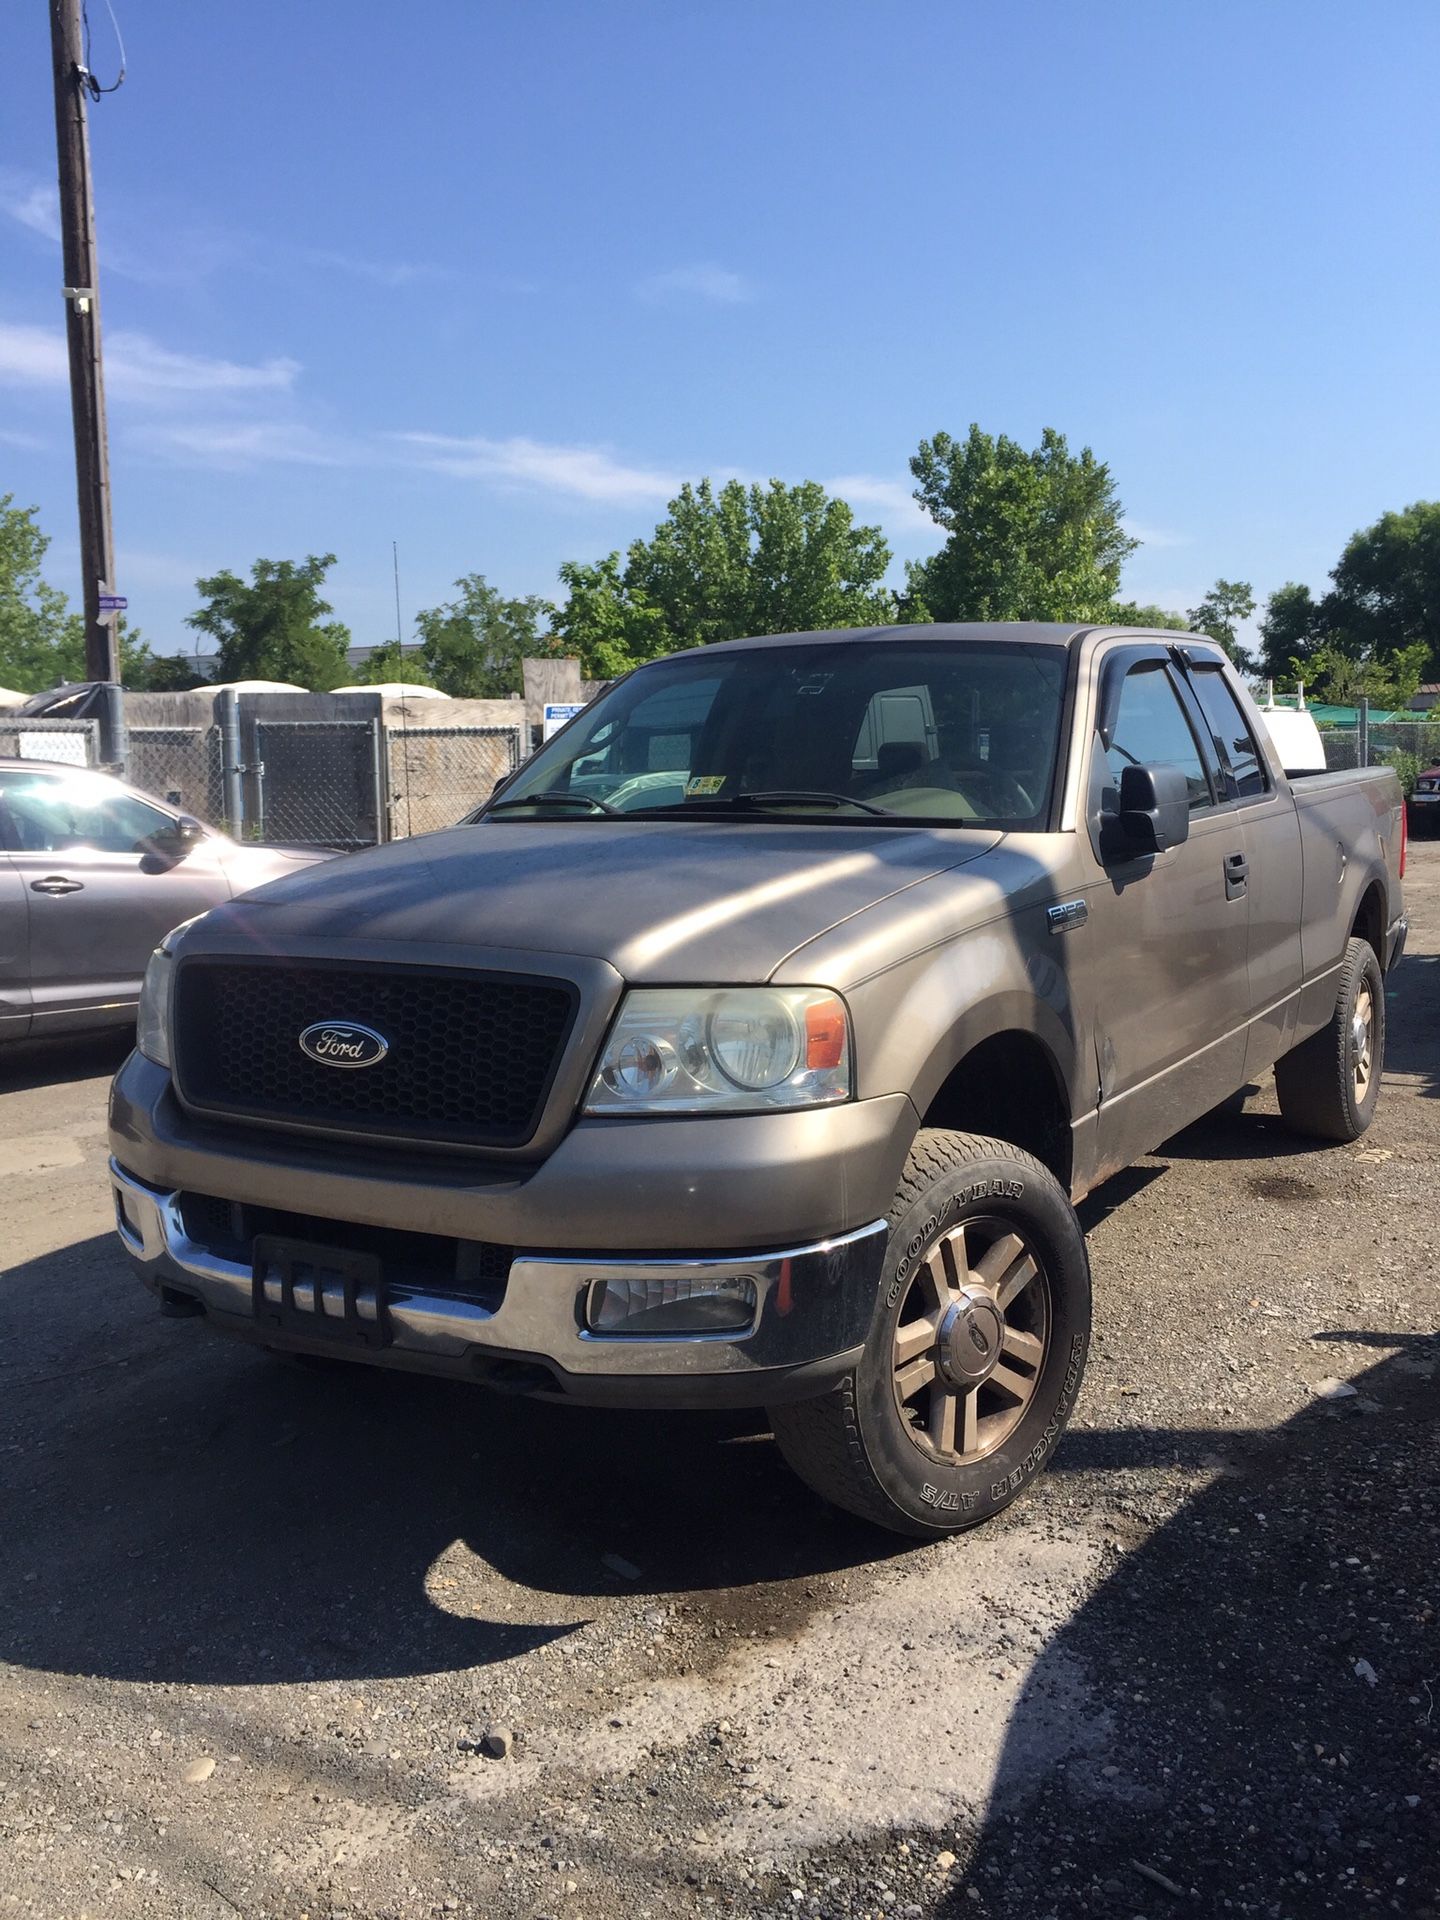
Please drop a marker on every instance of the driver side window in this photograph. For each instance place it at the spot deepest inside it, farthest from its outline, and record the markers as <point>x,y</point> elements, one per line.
<point>1151,730</point>
<point>50,815</point>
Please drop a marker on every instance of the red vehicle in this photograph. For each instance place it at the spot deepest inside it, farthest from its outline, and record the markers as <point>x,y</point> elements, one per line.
<point>1424,806</point>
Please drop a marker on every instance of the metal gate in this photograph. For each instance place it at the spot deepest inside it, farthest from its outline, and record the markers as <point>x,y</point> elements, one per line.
<point>314,782</point>
<point>180,765</point>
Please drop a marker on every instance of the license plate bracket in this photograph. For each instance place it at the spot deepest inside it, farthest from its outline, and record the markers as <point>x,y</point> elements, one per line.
<point>341,1293</point>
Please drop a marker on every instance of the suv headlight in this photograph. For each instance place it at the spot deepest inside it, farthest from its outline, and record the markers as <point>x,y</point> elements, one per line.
<point>724,1050</point>
<point>152,1018</point>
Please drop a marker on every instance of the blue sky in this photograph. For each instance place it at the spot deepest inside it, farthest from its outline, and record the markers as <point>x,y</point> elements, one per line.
<point>490,280</point>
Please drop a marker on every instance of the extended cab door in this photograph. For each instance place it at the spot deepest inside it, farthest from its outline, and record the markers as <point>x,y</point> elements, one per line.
<point>1167,966</point>
<point>1263,810</point>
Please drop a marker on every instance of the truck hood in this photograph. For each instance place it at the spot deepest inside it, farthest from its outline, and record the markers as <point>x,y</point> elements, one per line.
<point>659,900</point>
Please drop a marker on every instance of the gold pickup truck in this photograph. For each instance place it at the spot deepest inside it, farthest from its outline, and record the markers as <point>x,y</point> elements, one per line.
<point>752,1043</point>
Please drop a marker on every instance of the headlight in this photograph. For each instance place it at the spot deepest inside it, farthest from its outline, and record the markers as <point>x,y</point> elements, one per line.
<point>724,1050</point>
<point>152,1022</point>
<point>152,1018</point>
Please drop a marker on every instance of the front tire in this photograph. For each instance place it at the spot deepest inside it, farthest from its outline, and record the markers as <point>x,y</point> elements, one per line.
<point>1329,1084</point>
<point>975,1353</point>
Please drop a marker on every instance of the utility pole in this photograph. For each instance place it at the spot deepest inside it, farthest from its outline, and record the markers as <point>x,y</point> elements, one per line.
<point>82,328</point>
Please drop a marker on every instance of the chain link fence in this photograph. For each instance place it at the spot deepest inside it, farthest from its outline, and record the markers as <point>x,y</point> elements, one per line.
<point>74,743</point>
<point>323,783</point>
<point>180,765</point>
<point>315,783</point>
<point>1410,746</point>
<point>439,774</point>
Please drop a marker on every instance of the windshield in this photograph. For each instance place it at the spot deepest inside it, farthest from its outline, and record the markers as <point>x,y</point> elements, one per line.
<point>949,733</point>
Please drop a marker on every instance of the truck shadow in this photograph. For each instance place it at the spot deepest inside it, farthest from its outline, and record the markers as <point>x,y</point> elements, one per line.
<point>1412,1045</point>
<point>183,1508</point>
<point>1264,1668</point>
<point>26,1064</point>
<point>1236,1135</point>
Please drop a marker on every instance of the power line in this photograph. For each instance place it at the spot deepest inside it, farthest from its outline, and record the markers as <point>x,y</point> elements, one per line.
<point>85,76</point>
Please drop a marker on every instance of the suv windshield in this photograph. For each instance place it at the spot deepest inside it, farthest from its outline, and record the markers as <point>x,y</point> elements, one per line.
<point>948,733</point>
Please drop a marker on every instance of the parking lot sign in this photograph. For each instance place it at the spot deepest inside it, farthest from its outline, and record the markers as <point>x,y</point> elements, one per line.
<point>557,712</point>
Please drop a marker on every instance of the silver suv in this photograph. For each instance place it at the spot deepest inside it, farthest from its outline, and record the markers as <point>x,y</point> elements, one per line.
<point>93,875</point>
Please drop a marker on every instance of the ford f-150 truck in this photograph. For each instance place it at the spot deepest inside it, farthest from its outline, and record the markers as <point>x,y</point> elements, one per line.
<point>752,1043</point>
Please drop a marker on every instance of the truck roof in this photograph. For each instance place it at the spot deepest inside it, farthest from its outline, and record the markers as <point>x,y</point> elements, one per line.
<point>1027,632</point>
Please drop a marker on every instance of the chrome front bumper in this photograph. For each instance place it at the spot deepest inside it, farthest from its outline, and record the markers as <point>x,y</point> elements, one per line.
<point>813,1309</point>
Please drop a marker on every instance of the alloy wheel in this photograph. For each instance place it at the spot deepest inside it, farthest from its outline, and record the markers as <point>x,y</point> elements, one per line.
<point>970,1340</point>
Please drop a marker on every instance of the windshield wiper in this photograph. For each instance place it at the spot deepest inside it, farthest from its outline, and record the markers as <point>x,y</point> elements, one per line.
<point>759,802</point>
<point>553,800</point>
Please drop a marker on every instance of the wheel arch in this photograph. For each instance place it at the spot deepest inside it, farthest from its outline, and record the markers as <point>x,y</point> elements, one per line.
<point>1369,922</point>
<point>1009,1085</point>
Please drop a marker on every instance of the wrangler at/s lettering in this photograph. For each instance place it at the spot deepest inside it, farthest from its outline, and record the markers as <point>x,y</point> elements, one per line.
<point>753,1046</point>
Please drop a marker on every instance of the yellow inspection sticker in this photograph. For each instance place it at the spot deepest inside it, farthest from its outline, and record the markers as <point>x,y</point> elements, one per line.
<point>702,783</point>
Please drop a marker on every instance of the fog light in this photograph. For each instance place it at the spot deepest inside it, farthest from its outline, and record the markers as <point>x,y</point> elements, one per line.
<point>647,1307</point>
<point>124,1219</point>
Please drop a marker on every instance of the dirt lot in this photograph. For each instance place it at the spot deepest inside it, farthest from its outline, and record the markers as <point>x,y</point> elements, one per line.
<point>255,1622</point>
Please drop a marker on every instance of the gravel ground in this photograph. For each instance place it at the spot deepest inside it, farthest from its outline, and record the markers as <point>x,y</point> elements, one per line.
<point>258,1624</point>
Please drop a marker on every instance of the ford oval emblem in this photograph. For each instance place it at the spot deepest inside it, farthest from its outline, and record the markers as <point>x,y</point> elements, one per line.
<point>343,1043</point>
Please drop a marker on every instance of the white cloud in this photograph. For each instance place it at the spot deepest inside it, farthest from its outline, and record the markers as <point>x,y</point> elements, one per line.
<point>140,366</point>
<point>382,273</point>
<point>35,204</point>
<point>701,281</point>
<point>586,473</point>
<point>892,502</point>
<point>136,367</point>
<point>24,442</point>
<point>238,445</point>
<point>1155,536</point>
<point>33,357</point>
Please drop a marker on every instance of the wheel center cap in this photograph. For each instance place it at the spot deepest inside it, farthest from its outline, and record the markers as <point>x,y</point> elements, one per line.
<point>971,1330</point>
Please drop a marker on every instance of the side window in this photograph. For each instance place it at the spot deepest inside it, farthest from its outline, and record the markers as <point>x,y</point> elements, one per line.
<point>1235,746</point>
<point>1151,730</point>
<point>49,815</point>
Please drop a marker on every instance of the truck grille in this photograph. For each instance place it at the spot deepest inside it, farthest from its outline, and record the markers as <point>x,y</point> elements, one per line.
<point>471,1056</point>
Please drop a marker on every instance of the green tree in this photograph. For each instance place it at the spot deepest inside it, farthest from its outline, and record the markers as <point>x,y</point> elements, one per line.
<point>725,563</point>
<point>41,641</point>
<point>473,646</point>
<point>608,627</point>
<point>146,672</point>
<point>1219,615</point>
<point>1291,628</point>
<point>1129,613</point>
<point>387,662</point>
<point>1388,681</point>
<point>1031,535</point>
<point>273,628</point>
<point>1387,586</point>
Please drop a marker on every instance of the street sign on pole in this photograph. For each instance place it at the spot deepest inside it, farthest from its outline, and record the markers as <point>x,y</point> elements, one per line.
<point>113,603</point>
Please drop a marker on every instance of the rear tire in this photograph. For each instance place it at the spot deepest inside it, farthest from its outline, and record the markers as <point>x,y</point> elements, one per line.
<point>975,1352</point>
<point>1329,1084</point>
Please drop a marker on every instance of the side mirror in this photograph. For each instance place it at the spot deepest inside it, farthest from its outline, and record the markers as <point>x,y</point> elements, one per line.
<point>173,843</point>
<point>1154,811</point>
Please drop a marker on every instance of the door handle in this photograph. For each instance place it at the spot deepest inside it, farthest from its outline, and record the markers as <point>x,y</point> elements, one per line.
<point>1237,873</point>
<point>57,883</point>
